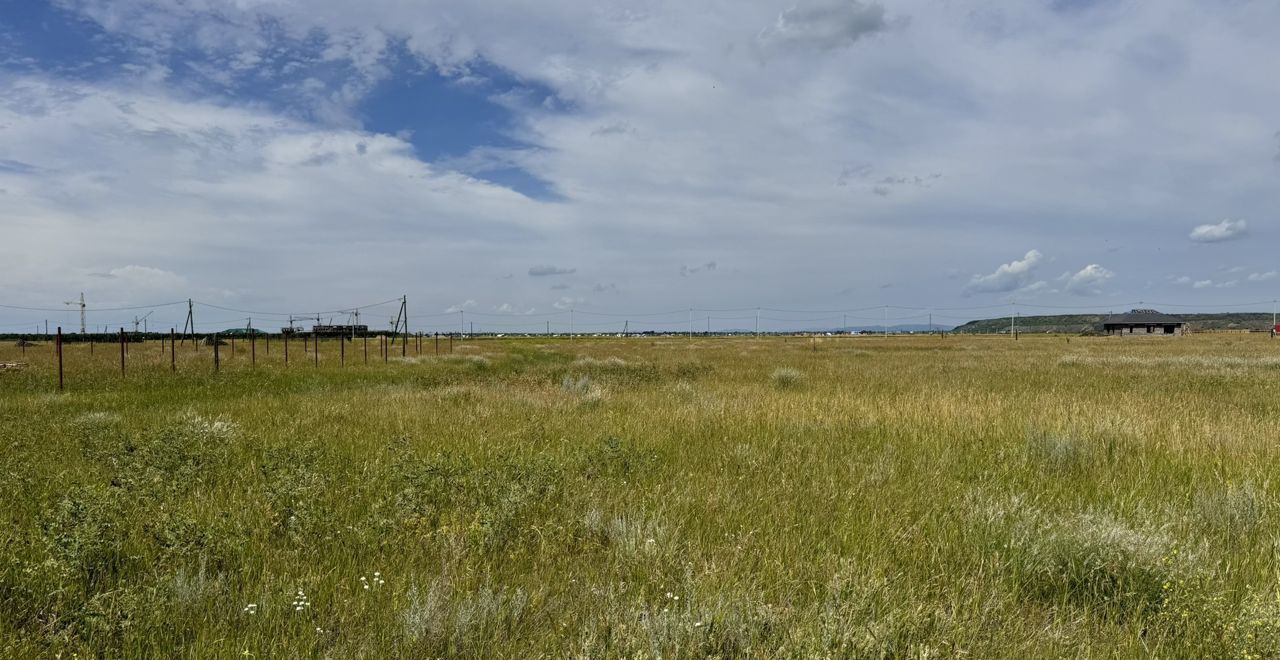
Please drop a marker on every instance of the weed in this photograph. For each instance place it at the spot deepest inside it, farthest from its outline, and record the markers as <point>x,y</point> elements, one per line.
<point>787,377</point>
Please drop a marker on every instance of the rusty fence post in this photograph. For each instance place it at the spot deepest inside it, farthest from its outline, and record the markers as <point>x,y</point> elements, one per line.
<point>60,383</point>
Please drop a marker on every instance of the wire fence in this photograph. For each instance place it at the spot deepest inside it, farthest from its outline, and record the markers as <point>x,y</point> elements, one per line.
<point>439,332</point>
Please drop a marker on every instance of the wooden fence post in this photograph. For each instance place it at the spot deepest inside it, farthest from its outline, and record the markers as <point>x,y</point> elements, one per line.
<point>60,384</point>
<point>217,362</point>
<point>122,351</point>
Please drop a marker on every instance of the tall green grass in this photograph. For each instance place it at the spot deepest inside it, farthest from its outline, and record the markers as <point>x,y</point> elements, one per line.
<point>646,497</point>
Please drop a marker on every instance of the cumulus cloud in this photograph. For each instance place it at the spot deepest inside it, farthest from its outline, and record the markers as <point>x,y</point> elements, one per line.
<point>544,271</point>
<point>1008,277</point>
<point>567,302</point>
<point>826,24</point>
<point>1223,231</point>
<point>1263,277</point>
<point>1202,284</point>
<point>1088,281</point>
<point>454,309</point>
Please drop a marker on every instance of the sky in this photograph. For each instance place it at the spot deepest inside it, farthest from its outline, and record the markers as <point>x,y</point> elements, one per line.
<point>506,162</point>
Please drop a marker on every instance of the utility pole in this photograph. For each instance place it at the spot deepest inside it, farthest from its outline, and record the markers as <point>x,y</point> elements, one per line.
<point>886,321</point>
<point>190,323</point>
<point>690,323</point>
<point>402,319</point>
<point>757,321</point>
<point>1013,328</point>
<point>570,323</point>
<point>462,321</point>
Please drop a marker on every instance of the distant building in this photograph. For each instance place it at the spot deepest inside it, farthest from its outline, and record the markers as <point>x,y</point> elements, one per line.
<point>340,330</point>
<point>1143,322</point>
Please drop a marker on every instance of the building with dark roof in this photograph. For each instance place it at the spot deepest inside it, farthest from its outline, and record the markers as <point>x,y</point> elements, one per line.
<point>1143,322</point>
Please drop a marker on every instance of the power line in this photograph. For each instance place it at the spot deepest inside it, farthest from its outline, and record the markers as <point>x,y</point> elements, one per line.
<point>344,310</point>
<point>92,309</point>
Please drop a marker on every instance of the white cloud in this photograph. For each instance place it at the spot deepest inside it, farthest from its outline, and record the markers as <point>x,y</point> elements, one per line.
<point>454,309</point>
<point>1263,277</point>
<point>825,24</point>
<point>1223,231</point>
<point>1182,280</point>
<point>1202,284</point>
<point>1037,287</point>
<point>567,302</point>
<point>1088,281</point>
<point>1008,277</point>
<point>508,308</point>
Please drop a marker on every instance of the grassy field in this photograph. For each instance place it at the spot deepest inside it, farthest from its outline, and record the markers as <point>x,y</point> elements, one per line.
<point>902,497</point>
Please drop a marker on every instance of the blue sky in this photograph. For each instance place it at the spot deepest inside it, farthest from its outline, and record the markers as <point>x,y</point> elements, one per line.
<point>513,162</point>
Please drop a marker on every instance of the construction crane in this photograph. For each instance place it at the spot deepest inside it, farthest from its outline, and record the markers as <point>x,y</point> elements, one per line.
<point>81,304</point>
<point>141,321</point>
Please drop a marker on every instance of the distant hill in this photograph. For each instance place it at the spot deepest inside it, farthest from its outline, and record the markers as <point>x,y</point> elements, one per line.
<point>1087,323</point>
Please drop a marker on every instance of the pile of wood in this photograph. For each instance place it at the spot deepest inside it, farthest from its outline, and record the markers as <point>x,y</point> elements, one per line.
<point>212,340</point>
<point>12,366</point>
<point>23,343</point>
